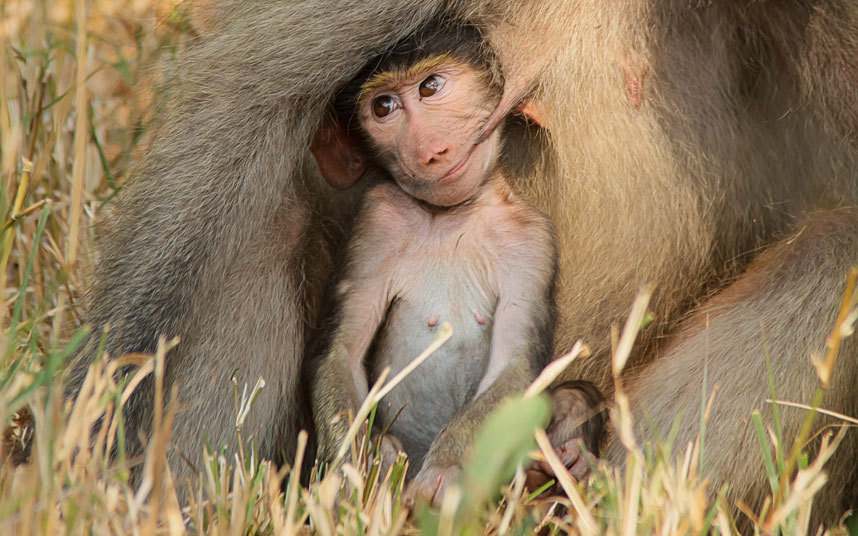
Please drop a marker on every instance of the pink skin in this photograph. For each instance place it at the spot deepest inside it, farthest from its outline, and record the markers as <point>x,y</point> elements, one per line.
<point>436,157</point>
<point>429,145</point>
<point>441,147</point>
<point>505,245</point>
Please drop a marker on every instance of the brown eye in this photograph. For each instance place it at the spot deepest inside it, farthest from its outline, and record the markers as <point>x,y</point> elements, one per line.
<point>431,85</point>
<point>383,106</point>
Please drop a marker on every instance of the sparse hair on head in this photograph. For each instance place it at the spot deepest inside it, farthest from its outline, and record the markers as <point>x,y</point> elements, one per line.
<point>442,42</point>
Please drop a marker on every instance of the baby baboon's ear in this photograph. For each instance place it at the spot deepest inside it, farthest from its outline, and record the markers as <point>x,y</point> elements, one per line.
<point>341,157</point>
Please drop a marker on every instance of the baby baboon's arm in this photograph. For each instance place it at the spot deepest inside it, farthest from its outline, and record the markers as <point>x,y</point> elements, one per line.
<point>362,301</point>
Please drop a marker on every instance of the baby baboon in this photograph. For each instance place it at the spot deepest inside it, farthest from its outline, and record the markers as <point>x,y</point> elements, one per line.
<point>447,241</point>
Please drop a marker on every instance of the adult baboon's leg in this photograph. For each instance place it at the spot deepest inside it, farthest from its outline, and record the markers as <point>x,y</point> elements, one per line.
<point>785,306</point>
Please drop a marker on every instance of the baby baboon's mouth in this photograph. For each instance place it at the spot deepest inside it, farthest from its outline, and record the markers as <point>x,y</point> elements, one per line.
<point>450,176</point>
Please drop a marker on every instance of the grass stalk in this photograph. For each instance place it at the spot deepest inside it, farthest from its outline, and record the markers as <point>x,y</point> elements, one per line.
<point>81,136</point>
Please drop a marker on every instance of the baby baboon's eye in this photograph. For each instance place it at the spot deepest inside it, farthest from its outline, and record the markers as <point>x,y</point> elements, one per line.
<point>383,105</point>
<point>431,85</point>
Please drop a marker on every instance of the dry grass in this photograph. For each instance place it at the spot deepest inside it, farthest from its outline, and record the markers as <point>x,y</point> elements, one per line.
<point>69,132</point>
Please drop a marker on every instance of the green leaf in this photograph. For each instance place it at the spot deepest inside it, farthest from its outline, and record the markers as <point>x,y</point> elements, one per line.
<point>502,444</point>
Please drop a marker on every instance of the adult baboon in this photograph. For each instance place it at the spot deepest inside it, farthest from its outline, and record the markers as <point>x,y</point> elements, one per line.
<point>711,149</point>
